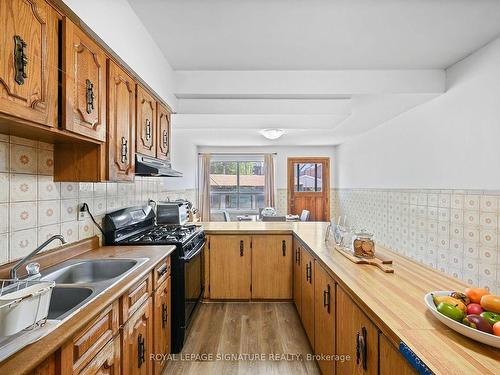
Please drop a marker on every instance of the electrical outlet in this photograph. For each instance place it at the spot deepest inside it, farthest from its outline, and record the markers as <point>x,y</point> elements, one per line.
<point>82,215</point>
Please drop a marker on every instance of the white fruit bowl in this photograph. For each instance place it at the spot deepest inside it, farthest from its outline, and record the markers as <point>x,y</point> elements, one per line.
<point>471,333</point>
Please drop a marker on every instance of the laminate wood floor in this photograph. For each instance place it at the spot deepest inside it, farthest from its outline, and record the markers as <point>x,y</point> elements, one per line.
<point>256,338</point>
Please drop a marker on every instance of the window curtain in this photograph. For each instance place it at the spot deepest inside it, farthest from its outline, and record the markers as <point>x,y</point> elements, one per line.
<point>204,186</point>
<point>269,181</point>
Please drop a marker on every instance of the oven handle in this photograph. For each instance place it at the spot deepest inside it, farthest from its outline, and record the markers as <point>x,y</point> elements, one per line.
<point>194,253</point>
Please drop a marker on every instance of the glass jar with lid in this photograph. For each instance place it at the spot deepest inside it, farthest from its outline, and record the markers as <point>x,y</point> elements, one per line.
<point>363,244</point>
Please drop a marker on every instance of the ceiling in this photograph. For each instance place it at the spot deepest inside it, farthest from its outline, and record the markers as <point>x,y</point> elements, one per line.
<point>318,34</point>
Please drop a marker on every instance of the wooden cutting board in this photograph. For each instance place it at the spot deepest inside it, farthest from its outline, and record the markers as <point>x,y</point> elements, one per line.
<point>377,262</point>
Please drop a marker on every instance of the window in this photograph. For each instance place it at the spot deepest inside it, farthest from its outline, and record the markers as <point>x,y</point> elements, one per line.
<point>308,177</point>
<point>237,185</point>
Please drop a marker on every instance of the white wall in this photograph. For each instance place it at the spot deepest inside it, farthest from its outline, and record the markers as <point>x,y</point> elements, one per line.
<point>283,152</point>
<point>119,27</point>
<point>449,142</point>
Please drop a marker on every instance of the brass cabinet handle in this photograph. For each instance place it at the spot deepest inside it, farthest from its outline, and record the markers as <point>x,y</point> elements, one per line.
<point>165,138</point>
<point>326,298</point>
<point>241,248</point>
<point>124,150</point>
<point>89,94</point>
<point>361,349</point>
<point>283,247</point>
<point>20,60</point>
<point>141,350</point>
<point>164,315</point>
<point>148,129</point>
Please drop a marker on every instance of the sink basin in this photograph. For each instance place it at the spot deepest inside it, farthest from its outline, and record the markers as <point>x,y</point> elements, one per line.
<point>91,271</point>
<point>65,299</point>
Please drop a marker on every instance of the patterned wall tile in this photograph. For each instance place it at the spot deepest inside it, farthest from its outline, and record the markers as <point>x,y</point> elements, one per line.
<point>454,231</point>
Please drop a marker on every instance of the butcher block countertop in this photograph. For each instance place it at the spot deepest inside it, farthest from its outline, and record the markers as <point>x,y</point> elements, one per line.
<point>30,356</point>
<point>394,302</point>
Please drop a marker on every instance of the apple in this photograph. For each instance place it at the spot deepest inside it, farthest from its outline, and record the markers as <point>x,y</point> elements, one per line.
<point>474,309</point>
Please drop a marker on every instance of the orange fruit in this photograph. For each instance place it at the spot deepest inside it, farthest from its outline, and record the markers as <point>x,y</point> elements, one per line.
<point>491,303</point>
<point>496,329</point>
<point>475,294</point>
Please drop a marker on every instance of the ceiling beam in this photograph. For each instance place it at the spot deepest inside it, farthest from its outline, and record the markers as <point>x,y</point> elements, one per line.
<point>306,84</point>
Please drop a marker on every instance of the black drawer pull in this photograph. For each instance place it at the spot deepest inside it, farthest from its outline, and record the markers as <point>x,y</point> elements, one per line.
<point>283,247</point>
<point>241,248</point>
<point>141,350</point>
<point>164,315</point>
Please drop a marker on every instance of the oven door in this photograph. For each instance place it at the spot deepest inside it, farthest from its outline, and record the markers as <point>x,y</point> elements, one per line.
<point>193,286</point>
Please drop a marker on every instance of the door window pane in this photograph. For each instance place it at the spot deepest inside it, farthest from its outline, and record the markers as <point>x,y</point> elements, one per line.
<point>308,177</point>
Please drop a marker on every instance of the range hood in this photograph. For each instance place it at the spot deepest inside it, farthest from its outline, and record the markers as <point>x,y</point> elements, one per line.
<point>148,166</point>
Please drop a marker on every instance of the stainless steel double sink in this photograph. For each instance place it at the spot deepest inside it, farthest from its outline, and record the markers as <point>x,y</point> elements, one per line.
<point>80,280</point>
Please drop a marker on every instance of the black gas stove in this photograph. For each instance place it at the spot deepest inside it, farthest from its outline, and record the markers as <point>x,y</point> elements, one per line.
<point>137,226</point>
<point>165,234</point>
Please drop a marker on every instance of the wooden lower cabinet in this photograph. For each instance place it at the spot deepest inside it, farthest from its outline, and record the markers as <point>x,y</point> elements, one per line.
<point>272,267</point>
<point>297,277</point>
<point>107,361</point>
<point>230,267</point>
<point>137,341</point>
<point>161,323</point>
<point>307,303</point>
<point>324,319</point>
<point>353,329</point>
<point>50,366</point>
<point>391,361</point>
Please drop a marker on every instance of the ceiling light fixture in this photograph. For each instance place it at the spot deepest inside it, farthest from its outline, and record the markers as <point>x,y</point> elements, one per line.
<point>272,133</point>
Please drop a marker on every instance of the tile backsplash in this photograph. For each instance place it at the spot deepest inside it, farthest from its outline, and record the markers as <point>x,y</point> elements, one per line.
<point>33,207</point>
<point>454,231</point>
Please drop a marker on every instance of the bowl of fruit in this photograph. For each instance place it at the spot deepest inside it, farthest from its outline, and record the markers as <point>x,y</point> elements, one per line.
<point>474,313</point>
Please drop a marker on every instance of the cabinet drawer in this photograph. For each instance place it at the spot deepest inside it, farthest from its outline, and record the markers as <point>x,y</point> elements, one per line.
<point>134,298</point>
<point>77,353</point>
<point>107,361</point>
<point>161,272</point>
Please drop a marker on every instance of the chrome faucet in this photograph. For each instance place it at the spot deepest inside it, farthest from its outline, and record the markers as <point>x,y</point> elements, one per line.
<point>13,271</point>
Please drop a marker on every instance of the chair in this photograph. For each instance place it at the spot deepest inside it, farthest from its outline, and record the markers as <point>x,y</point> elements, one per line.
<point>304,216</point>
<point>273,218</point>
<point>226,216</point>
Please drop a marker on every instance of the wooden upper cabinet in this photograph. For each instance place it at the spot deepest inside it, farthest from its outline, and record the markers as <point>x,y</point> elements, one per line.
<point>272,267</point>
<point>230,267</point>
<point>163,144</point>
<point>354,330</point>
<point>324,319</point>
<point>297,277</point>
<point>121,124</point>
<point>307,308</point>
<point>146,136</point>
<point>84,84</point>
<point>28,66</point>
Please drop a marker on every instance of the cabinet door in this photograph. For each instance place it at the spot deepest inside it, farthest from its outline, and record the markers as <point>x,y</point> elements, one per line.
<point>163,143</point>
<point>28,67</point>
<point>230,265</point>
<point>47,367</point>
<point>324,319</point>
<point>308,294</point>
<point>297,277</point>
<point>271,267</point>
<point>84,84</point>
<point>391,361</point>
<point>161,326</point>
<point>354,330</point>
<point>146,137</point>
<point>106,362</point>
<point>137,342</point>
<point>121,124</point>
